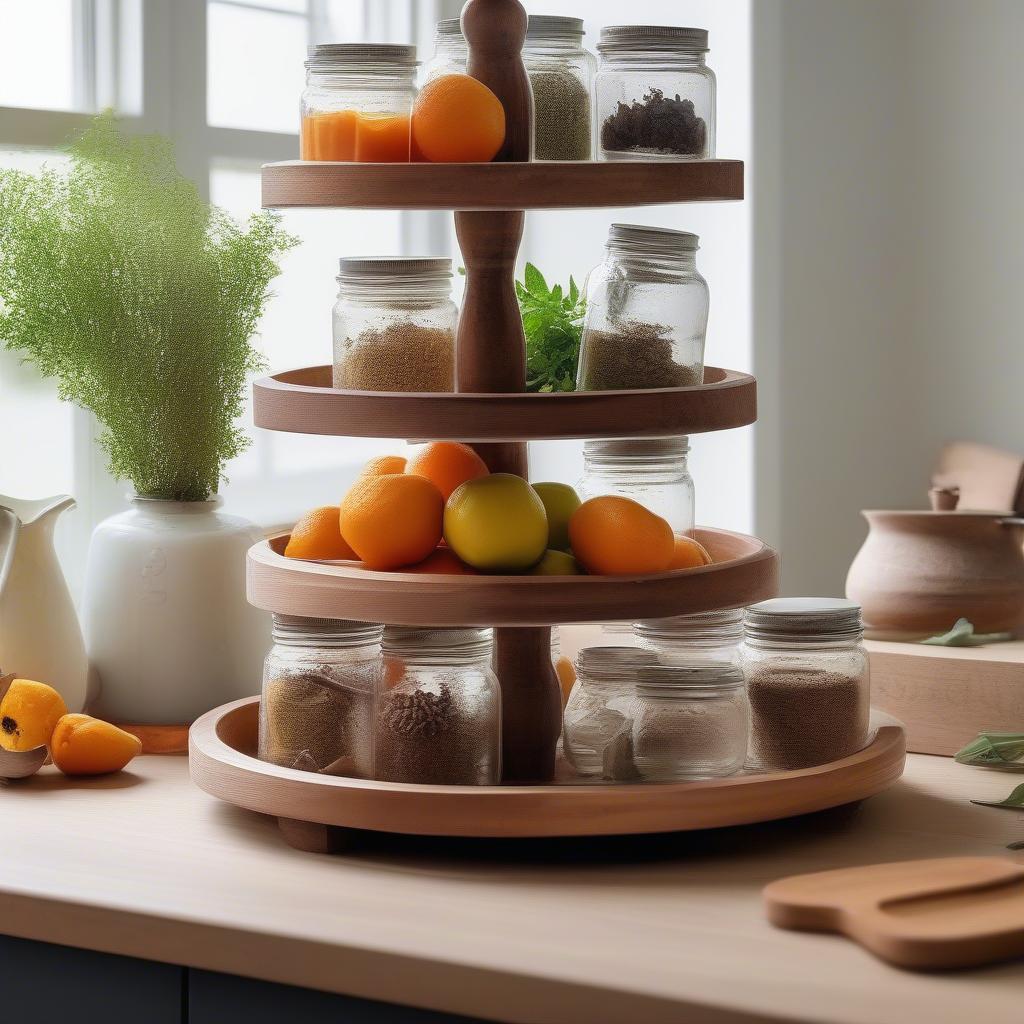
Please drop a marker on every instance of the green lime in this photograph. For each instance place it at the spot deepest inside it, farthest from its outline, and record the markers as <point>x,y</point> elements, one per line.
<point>556,563</point>
<point>560,501</point>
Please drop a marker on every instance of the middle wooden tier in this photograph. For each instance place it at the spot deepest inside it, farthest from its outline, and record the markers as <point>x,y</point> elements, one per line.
<point>745,571</point>
<point>303,402</point>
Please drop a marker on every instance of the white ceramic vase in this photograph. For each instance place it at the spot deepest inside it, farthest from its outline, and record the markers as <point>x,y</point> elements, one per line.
<point>39,633</point>
<point>168,629</point>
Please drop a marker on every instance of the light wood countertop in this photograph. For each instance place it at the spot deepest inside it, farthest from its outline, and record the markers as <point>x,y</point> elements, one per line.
<point>645,930</point>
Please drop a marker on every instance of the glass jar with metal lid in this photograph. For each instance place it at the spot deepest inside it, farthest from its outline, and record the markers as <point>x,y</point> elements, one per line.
<point>394,325</point>
<point>561,74</point>
<point>655,94</point>
<point>318,685</point>
<point>809,682</point>
<point>650,470</point>
<point>647,313</point>
<point>688,639</point>
<point>595,719</point>
<point>451,54</point>
<point>357,104</point>
<point>437,715</point>
<point>689,721</point>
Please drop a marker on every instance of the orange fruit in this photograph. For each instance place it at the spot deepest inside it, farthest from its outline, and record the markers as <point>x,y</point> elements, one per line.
<point>615,536</point>
<point>688,554</point>
<point>383,464</point>
<point>82,745</point>
<point>444,562</point>
<point>392,520</point>
<point>457,119</point>
<point>318,535</point>
<point>446,464</point>
<point>28,714</point>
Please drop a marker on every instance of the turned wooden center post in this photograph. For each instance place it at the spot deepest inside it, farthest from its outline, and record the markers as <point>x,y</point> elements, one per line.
<point>492,358</point>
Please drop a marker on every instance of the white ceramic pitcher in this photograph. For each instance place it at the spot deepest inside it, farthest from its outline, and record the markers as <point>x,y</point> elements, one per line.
<point>39,633</point>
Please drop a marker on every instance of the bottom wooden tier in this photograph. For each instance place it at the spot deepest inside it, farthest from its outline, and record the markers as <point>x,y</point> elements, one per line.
<point>222,746</point>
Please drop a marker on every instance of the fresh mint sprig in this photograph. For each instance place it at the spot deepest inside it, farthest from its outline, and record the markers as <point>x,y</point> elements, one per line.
<point>553,325</point>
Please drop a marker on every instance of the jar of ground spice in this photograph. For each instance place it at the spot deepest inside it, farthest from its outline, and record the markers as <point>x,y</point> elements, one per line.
<point>437,713</point>
<point>647,313</point>
<point>689,639</point>
<point>357,105</point>
<point>808,679</point>
<point>689,721</point>
<point>650,470</point>
<point>655,94</point>
<point>561,74</point>
<point>318,685</point>
<point>394,325</point>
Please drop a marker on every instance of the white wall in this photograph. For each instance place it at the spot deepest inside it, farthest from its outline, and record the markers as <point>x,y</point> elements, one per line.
<point>888,224</point>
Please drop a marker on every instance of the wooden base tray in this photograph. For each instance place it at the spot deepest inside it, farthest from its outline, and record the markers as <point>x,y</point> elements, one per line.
<point>222,746</point>
<point>745,571</point>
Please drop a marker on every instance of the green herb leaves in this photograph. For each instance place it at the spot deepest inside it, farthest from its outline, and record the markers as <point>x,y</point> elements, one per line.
<point>1003,750</point>
<point>553,325</point>
<point>140,299</point>
<point>1014,802</point>
<point>962,635</point>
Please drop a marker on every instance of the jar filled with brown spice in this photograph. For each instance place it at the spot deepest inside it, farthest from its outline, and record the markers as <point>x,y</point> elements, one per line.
<point>808,681</point>
<point>394,325</point>
<point>318,685</point>
<point>437,712</point>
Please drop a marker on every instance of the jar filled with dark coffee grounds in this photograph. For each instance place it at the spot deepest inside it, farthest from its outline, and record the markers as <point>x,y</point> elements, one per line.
<point>655,94</point>
<point>437,713</point>
<point>394,325</point>
<point>316,711</point>
<point>647,313</point>
<point>808,682</point>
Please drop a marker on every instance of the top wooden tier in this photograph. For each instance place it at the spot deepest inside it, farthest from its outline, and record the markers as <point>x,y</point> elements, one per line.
<point>499,186</point>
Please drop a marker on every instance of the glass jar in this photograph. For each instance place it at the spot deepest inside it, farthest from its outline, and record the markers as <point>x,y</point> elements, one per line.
<point>451,54</point>
<point>655,94</point>
<point>394,325</point>
<point>689,722</point>
<point>808,679</point>
<point>647,313</point>
<point>688,639</point>
<point>437,714</point>
<point>565,670</point>
<point>561,74</point>
<point>357,104</point>
<point>650,470</point>
<point>595,714</point>
<point>319,679</point>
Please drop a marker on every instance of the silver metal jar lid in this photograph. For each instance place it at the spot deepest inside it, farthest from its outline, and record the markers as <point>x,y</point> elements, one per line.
<point>660,37</point>
<point>613,663</point>
<point>298,631</point>
<point>803,619</point>
<point>449,27</point>
<point>642,449</point>
<point>539,25</point>
<point>346,56</point>
<point>665,680</point>
<point>642,240</point>
<point>704,629</point>
<point>358,269</point>
<point>428,643</point>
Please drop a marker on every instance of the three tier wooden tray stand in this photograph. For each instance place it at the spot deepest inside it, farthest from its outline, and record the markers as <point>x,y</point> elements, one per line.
<point>491,411</point>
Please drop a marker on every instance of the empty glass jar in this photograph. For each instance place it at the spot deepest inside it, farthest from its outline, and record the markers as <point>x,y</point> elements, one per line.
<point>318,688</point>
<point>655,94</point>
<point>394,325</point>
<point>689,721</point>
<point>437,714</point>
<point>687,639</point>
<point>809,683</point>
<point>595,721</point>
<point>357,104</point>
<point>647,313</point>
<point>451,55</point>
<point>650,470</point>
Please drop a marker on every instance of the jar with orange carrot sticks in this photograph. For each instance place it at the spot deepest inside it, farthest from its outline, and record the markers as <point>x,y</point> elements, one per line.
<point>357,103</point>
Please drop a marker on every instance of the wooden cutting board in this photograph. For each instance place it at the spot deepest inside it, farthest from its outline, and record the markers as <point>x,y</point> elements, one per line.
<point>920,914</point>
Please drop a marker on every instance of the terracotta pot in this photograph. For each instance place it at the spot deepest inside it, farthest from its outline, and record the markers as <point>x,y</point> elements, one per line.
<point>918,572</point>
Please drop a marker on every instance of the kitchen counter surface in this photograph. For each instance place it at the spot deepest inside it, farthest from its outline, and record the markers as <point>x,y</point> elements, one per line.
<point>643,929</point>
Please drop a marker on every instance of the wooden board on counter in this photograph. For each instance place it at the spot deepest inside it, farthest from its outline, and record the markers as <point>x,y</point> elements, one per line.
<point>945,696</point>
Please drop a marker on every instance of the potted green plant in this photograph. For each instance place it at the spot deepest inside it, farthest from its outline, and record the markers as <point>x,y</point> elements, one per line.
<point>141,299</point>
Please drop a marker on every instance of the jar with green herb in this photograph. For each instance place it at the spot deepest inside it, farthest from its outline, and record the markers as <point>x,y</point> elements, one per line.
<point>394,325</point>
<point>647,313</point>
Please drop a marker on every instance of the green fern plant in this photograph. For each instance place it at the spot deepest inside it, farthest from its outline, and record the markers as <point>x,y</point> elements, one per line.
<point>140,300</point>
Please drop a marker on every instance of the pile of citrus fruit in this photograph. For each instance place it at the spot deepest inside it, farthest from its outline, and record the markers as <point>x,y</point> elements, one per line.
<point>442,511</point>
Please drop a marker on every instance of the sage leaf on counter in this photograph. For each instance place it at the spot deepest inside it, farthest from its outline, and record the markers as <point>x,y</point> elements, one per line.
<point>1002,750</point>
<point>1015,801</point>
<point>962,635</point>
